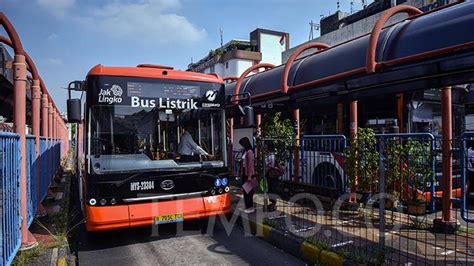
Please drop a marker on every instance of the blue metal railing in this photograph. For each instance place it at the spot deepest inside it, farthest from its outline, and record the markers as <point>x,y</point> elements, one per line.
<point>49,162</point>
<point>31,180</point>
<point>465,156</point>
<point>44,184</point>
<point>10,196</point>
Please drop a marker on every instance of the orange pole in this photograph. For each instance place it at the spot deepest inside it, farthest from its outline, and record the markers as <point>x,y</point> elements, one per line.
<point>447,128</point>
<point>296,154</point>
<point>45,126</point>
<point>353,131</point>
<point>340,115</point>
<point>400,111</point>
<point>44,115</point>
<point>19,68</point>
<point>50,121</point>
<point>36,127</point>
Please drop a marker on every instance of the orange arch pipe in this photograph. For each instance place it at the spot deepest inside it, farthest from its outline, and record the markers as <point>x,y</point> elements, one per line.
<point>294,55</point>
<point>12,34</point>
<point>246,72</point>
<point>371,64</point>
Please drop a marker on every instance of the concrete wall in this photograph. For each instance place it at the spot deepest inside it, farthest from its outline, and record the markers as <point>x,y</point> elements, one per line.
<point>235,67</point>
<point>271,48</point>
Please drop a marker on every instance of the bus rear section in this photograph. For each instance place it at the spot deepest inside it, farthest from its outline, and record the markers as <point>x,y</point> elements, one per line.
<point>155,147</point>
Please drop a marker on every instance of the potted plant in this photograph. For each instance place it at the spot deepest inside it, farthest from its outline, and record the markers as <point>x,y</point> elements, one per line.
<point>362,163</point>
<point>417,169</point>
<point>393,172</point>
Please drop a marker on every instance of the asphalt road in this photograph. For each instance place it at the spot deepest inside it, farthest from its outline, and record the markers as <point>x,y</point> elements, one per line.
<point>143,246</point>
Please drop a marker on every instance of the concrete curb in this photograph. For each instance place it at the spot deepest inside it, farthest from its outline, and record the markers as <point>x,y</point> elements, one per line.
<point>293,245</point>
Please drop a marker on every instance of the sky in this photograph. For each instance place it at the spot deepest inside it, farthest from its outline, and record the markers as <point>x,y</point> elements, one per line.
<point>66,38</point>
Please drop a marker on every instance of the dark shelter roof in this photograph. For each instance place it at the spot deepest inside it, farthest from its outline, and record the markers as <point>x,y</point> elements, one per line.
<point>439,44</point>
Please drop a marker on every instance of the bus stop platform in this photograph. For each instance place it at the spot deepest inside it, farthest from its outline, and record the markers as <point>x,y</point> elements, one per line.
<point>353,237</point>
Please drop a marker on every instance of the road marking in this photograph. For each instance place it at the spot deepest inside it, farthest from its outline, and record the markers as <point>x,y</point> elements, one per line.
<point>304,229</point>
<point>342,244</point>
<point>447,252</point>
<point>277,217</point>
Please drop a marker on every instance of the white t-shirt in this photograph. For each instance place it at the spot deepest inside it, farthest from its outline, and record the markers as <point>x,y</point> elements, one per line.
<point>470,159</point>
<point>270,159</point>
<point>187,146</point>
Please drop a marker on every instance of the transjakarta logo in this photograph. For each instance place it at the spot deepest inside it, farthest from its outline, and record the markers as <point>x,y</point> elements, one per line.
<point>164,103</point>
<point>112,95</point>
<point>211,95</point>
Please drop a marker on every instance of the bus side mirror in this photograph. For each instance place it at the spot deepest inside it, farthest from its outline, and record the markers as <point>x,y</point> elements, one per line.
<point>249,116</point>
<point>74,110</point>
<point>247,113</point>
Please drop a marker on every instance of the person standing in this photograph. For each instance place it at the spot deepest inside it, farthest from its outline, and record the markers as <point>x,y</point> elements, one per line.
<point>272,171</point>
<point>470,170</point>
<point>247,172</point>
<point>188,148</point>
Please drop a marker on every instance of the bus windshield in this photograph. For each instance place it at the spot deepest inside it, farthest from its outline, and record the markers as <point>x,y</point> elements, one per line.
<point>144,133</point>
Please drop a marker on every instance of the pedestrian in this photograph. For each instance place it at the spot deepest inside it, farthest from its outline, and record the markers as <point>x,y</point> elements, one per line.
<point>470,169</point>
<point>272,172</point>
<point>247,173</point>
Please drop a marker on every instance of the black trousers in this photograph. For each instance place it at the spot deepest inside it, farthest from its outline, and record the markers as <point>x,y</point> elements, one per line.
<point>470,179</point>
<point>272,188</point>
<point>248,197</point>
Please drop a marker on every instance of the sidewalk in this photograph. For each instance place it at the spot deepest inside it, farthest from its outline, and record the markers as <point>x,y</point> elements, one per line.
<point>260,224</point>
<point>52,230</point>
<point>353,237</point>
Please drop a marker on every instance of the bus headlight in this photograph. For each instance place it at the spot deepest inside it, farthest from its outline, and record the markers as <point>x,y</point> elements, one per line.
<point>227,189</point>
<point>113,201</point>
<point>217,182</point>
<point>103,202</point>
<point>92,202</point>
<point>220,190</point>
<point>224,181</point>
<point>213,192</point>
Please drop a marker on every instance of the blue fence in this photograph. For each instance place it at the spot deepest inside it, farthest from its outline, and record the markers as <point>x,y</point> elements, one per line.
<point>49,162</point>
<point>10,196</point>
<point>44,181</point>
<point>32,194</point>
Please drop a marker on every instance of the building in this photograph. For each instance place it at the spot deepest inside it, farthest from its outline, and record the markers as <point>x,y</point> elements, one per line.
<point>341,26</point>
<point>234,57</point>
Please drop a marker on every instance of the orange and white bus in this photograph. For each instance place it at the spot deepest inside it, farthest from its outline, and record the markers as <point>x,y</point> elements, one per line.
<point>134,119</point>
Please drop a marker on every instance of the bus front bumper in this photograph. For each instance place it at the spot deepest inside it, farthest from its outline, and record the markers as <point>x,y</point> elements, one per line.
<point>101,218</point>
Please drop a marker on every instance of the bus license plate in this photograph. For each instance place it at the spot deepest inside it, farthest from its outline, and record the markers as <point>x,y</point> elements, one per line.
<point>142,185</point>
<point>169,218</point>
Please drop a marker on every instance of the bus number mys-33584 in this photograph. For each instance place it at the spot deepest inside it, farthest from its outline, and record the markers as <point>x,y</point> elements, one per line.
<point>155,146</point>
